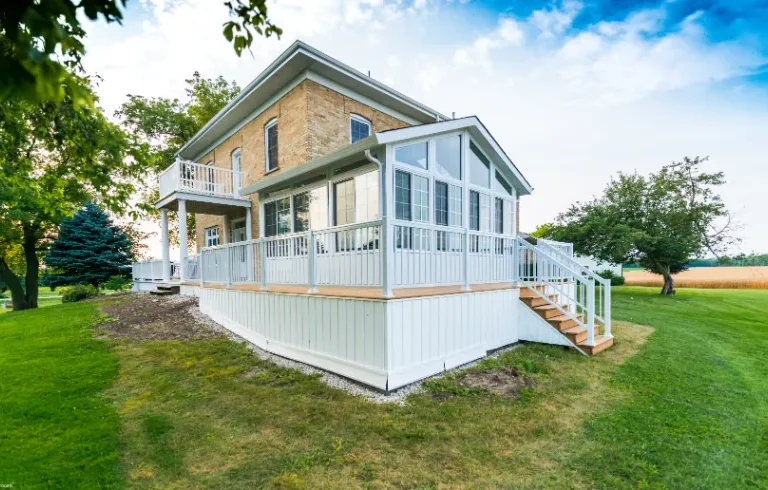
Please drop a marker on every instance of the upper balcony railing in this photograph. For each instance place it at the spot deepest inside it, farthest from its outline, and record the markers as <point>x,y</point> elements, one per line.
<point>201,179</point>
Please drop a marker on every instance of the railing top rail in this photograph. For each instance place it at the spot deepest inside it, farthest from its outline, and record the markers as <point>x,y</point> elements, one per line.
<point>579,268</point>
<point>555,242</point>
<point>351,226</point>
<point>525,244</point>
<point>448,229</point>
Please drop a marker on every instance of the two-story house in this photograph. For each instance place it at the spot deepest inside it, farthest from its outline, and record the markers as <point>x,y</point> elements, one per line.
<point>348,226</point>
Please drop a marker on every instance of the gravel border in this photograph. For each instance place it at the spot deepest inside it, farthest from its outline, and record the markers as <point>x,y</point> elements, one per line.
<point>333,380</point>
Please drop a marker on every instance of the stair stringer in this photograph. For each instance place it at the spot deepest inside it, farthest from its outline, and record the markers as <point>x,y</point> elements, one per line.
<point>533,328</point>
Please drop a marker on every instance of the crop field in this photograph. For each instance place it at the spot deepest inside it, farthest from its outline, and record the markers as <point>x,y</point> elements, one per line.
<point>706,277</point>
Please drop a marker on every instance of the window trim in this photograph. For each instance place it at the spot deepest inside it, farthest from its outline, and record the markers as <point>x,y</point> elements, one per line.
<point>272,122</point>
<point>426,171</point>
<point>491,167</point>
<point>360,119</point>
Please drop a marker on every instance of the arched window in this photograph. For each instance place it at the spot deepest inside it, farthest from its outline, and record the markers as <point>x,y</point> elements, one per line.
<point>359,128</point>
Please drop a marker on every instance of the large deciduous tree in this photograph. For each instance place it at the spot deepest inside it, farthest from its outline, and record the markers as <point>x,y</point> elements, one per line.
<point>41,42</point>
<point>89,249</point>
<point>54,157</point>
<point>166,124</point>
<point>662,221</point>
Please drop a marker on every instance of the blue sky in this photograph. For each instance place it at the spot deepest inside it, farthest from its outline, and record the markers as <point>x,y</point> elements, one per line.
<point>575,91</point>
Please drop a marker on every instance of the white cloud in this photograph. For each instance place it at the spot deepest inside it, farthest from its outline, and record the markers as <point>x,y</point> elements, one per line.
<point>554,21</point>
<point>508,33</point>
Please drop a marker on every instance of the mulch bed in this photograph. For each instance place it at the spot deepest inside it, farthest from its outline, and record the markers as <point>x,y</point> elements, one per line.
<point>147,317</point>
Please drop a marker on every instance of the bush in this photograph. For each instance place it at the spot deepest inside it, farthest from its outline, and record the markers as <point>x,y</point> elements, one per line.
<point>80,292</point>
<point>116,283</point>
<point>615,280</point>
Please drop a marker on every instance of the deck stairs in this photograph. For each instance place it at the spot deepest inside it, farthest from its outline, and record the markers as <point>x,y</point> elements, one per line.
<point>571,298</point>
<point>165,290</point>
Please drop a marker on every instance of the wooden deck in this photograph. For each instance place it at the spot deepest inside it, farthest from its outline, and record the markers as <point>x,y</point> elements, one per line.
<point>354,292</point>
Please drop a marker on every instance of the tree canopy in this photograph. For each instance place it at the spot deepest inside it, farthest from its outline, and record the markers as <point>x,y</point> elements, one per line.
<point>42,43</point>
<point>660,222</point>
<point>54,157</point>
<point>89,249</point>
<point>166,124</point>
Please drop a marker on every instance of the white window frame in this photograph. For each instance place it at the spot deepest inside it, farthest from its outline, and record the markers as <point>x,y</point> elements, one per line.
<point>360,119</point>
<point>236,155</point>
<point>267,164</point>
<point>208,236</point>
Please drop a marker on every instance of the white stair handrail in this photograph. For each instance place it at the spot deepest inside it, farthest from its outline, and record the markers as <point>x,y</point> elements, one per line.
<point>578,269</point>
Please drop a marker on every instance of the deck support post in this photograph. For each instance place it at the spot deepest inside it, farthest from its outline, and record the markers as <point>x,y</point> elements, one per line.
<point>590,311</point>
<point>229,265</point>
<point>465,261</point>
<point>182,240</point>
<point>311,280</point>
<point>166,254</point>
<point>263,259</point>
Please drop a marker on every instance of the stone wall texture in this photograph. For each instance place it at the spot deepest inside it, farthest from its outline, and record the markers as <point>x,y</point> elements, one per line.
<point>312,120</point>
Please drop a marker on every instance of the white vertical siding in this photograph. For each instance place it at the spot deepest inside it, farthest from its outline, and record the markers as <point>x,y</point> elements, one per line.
<point>430,334</point>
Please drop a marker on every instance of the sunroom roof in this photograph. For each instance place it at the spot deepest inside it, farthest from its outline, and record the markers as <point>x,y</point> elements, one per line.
<point>356,152</point>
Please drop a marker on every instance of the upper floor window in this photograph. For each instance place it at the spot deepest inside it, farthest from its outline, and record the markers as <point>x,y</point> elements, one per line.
<point>359,128</point>
<point>270,144</point>
<point>502,186</point>
<point>236,170</point>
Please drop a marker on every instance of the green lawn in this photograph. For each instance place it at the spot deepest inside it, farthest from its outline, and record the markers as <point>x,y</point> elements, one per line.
<point>57,429</point>
<point>686,407</point>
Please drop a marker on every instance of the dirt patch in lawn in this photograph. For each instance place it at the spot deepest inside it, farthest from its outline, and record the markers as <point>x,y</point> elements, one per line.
<point>148,317</point>
<point>507,382</point>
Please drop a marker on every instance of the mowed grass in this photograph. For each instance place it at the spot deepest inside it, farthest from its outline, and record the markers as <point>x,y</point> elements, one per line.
<point>683,404</point>
<point>57,428</point>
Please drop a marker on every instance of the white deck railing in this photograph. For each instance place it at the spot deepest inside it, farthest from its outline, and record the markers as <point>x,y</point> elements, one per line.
<point>152,270</point>
<point>200,179</point>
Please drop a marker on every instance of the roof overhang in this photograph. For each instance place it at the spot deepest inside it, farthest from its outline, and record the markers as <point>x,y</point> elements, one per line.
<point>300,61</point>
<point>356,152</point>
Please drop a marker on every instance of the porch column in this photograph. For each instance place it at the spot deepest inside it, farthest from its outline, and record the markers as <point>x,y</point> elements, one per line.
<point>248,226</point>
<point>387,226</point>
<point>225,230</point>
<point>182,239</point>
<point>165,247</point>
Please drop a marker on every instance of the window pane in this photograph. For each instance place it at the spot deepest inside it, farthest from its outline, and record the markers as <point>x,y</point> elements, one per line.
<point>301,211</point>
<point>402,195</point>
<point>448,156</point>
<point>415,154</point>
<point>508,217</point>
<point>367,197</point>
<point>456,205</point>
<point>499,216</point>
<point>485,212</point>
<point>474,210</point>
<point>345,202</point>
<point>318,208</point>
<point>502,186</point>
<point>441,203</point>
<point>420,198</point>
<point>479,167</point>
<point>358,129</point>
<point>272,147</point>
<point>212,236</point>
<point>283,215</point>
<point>270,219</point>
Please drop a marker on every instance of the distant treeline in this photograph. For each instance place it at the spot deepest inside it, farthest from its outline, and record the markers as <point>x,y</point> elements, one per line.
<point>741,260</point>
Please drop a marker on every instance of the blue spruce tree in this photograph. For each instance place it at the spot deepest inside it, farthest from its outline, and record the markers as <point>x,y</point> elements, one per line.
<point>89,249</point>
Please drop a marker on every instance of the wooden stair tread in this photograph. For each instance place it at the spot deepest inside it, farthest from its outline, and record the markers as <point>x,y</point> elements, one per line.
<point>563,318</point>
<point>549,307</point>
<point>575,330</point>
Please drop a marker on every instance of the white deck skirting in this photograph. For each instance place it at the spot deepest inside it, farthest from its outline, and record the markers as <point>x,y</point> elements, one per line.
<point>381,343</point>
